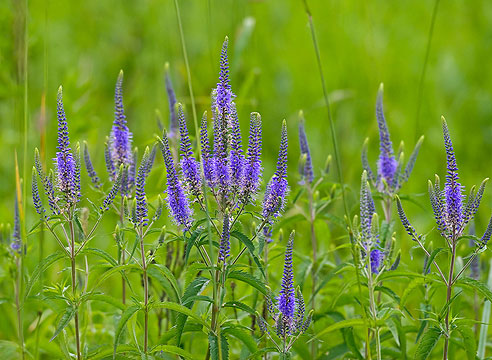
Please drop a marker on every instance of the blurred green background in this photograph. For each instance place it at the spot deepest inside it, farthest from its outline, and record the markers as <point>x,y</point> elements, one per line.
<point>83,45</point>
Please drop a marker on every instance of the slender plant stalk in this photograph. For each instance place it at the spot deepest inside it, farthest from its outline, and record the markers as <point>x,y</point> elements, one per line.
<point>146,292</point>
<point>122,249</point>
<point>372,305</point>
<point>18,306</point>
<point>424,69</point>
<point>314,245</point>
<point>448,298</point>
<point>74,289</point>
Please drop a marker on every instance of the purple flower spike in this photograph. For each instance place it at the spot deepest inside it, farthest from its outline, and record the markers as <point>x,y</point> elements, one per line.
<point>377,257</point>
<point>224,92</point>
<point>142,211</point>
<point>66,167</point>
<point>252,168</point>
<point>208,166</point>
<point>189,166</point>
<point>38,205</point>
<point>225,243</point>
<point>176,199</point>
<point>90,168</point>
<point>286,302</point>
<point>16,244</point>
<point>277,188</point>
<point>387,162</point>
<point>367,208</point>
<point>120,139</point>
<point>171,97</point>
<point>453,191</point>
<point>307,171</point>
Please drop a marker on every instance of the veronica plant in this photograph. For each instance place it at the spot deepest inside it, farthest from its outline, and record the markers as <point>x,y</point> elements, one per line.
<point>288,310</point>
<point>452,214</point>
<point>63,191</point>
<point>220,185</point>
<point>391,173</point>
<point>373,256</point>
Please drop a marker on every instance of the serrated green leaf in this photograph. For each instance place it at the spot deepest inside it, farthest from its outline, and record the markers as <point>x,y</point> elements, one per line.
<point>192,290</point>
<point>475,285</point>
<point>251,248</point>
<point>105,298</point>
<point>241,335</point>
<point>181,309</point>
<point>427,343</point>
<point>171,349</point>
<point>64,320</point>
<point>167,280</point>
<point>468,341</point>
<point>43,265</point>
<point>431,259</point>
<point>241,306</point>
<point>127,314</point>
<point>340,325</point>
<point>190,242</point>
<point>409,290</point>
<point>349,339</point>
<point>249,279</point>
<point>214,347</point>
<point>101,253</point>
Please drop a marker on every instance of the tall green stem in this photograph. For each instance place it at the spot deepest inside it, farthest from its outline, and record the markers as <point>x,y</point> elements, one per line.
<point>146,293</point>
<point>74,291</point>
<point>372,306</point>
<point>314,245</point>
<point>448,298</point>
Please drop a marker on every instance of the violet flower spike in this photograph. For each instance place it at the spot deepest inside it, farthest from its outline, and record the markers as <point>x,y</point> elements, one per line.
<point>120,140</point>
<point>65,164</point>
<point>307,171</point>
<point>171,97</point>
<point>225,96</point>
<point>16,244</point>
<point>277,188</point>
<point>90,168</point>
<point>225,243</point>
<point>207,160</point>
<point>286,302</point>
<point>176,199</point>
<point>140,196</point>
<point>453,191</point>
<point>387,162</point>
<point>252,167</point>
<point>36,199</point>
<point>189,166</point>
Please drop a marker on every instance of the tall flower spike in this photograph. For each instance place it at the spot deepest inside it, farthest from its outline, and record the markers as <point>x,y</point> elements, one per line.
<point>38,205</point>
<point>286,302</point>
<point>142,211</point>
<point>224,92</point>
<point>65,163</point>
<point>189,166</point>
<point>486,236</point>
<point>207,160</point>
<point>453,191</point>
<point>404,220</point>
<point>171,97</point>
<point>90,168</point>
<point>307,172</point>
<point>367,208</point>
<point>16,244</point>
<point>120,140</point>
<point>277,188</point>
<point>387,163</point>
<point>225,243</point>
<point>108,201</point>
<point>176,199</point>
<point>253,169</point>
